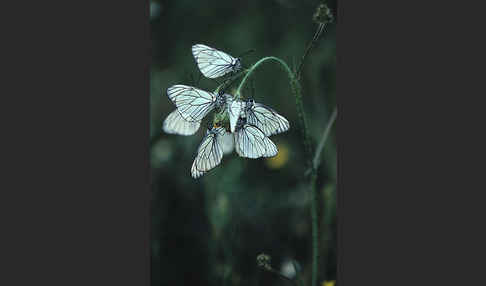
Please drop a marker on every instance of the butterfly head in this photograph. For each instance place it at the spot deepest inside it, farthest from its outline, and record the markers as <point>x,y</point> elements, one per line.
<point>250,102</point>
<point>221,99</point>
<point>239,124</point>
<point>236,65</point>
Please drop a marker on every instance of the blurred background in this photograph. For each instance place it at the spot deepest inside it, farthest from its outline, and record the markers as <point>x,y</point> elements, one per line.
<point>210,231</point>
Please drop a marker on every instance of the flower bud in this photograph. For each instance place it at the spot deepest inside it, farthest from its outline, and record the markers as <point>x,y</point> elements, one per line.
<point>323,14</point>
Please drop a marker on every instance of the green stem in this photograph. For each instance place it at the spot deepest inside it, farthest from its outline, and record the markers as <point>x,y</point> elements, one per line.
<point>317,156</point>
<point>254,66</point>
<point>296,90</point>
<point>315,226</point>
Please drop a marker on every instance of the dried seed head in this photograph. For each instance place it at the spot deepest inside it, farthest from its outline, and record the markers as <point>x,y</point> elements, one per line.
<point>323,14</point>
<point>263,260</point>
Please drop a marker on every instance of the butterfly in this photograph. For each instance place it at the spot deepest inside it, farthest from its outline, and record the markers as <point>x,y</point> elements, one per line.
<point>251,142</point>
<point>213,63</point>
<point>195,173</point>
<point>194,104</point>
<point>175,124</point>
<point>235,109</point>
<point>209,152</point>
<point>265,118</point>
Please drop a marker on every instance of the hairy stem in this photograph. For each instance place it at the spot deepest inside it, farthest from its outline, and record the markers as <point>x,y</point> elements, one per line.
<point>313,176</point>
<point>296,90</point>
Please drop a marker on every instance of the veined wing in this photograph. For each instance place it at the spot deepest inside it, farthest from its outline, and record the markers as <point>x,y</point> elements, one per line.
<point>175,124</point>
<point>194,172</point>
<point>251,142</point>
<point>213,63</point>
<point>192,103</point>
<point>210,151</point>
<point>267,119</point>
<point>235,108</point>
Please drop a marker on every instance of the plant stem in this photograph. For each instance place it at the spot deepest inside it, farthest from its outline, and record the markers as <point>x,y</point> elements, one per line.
<point>254,66</point>
<point>317,156</point>
<point>315,226</point>
<point>317,34</point>
<point>296,90</point>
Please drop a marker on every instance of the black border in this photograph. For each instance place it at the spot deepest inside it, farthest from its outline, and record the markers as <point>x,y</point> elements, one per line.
<point>79,209</point>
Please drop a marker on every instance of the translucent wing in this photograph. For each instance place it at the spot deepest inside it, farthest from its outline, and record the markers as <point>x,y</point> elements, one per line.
<point>194,172</point>
<point>251,142</point>
<point>175,124</point>
<point>235,108</point>
<point>213,63</point>
<point>228,143</point>
<point>192,103</point>
<point>267,119</point>
<point>210,151</point>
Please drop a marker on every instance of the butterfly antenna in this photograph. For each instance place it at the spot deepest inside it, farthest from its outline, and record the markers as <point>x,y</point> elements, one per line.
<point>229,82</point>
<point>216,81</point>
<point>192,80</point>
<point>246,53</point>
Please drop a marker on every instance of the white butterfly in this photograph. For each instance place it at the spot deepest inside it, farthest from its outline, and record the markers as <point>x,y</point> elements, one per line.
<point>213,63</point>
<point>235,110</point>
<point>193,103</point>
<point>251,142</point>
<point>265,118</point>
<point>194,171</point>
<point>209,152</point>
<point>175,124</point>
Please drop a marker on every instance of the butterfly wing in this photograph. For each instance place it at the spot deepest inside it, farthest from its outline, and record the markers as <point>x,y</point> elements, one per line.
<point>211,62</point>
<point>192,103</point>
<point>210,151</point>
<point>235,107</point>
<point>175,124</point>
<point>228,143</point>
<point>251,142</point>
<point>195,173</point>
<point>267,119</point>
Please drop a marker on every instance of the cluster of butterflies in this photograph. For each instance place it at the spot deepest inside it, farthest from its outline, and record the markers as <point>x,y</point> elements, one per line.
<point>250,123</point>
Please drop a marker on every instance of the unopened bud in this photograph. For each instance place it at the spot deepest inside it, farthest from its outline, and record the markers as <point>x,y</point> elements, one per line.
<point>323,14</point>
<point>263,260</point>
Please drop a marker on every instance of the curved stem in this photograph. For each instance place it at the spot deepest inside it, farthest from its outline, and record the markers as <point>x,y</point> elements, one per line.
<point>254,66</point>
<point>296,90</point>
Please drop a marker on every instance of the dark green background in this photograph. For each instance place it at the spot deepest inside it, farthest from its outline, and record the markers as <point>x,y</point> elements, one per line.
<point>210,231</point>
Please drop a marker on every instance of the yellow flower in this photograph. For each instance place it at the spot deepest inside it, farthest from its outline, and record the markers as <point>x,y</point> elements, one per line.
<point>281,159</point>
<point>329,283</point>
